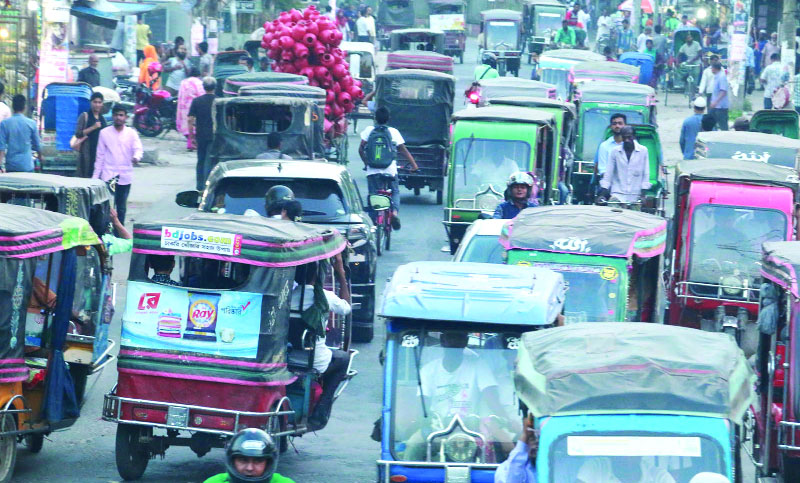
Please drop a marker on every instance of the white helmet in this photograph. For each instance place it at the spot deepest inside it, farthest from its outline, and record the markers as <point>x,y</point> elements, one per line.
<point>520,177</point>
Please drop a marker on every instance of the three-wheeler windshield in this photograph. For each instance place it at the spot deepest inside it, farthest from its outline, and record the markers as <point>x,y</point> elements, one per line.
<point>481,163</point>
<point>502,35</point>
<point>595,122</point>
<point>592,292</point>
<point>627,458</point>
<point>547,21</point>
<point>442,374</point>
<point>483,249</point>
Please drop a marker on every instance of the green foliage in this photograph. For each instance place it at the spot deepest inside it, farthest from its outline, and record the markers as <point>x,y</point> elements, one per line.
<point>734,114</point>
<point>747,105</point>
<point>273,8</point>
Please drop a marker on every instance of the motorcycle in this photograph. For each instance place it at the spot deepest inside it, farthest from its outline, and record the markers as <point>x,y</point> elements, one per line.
<point>154,111</point>
<point>472,96</point>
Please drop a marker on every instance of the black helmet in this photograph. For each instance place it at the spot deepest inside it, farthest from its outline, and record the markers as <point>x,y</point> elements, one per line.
<point>250,443</point>
<point>276,197</point>
<point>489,59</point>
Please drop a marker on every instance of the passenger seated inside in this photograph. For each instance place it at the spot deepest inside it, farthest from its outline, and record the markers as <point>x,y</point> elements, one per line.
<point>317,304</point>
<point>162,266</point>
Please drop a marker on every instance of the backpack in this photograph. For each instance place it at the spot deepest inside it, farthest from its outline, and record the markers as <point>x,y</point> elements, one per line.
<point>381,151</point>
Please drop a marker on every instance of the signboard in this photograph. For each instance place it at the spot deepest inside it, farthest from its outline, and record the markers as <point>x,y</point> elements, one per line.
<point>54,50</point>
<point>173,318</point>
<point>449,21</point>
<point>246,5</point>
<point>205,241</point>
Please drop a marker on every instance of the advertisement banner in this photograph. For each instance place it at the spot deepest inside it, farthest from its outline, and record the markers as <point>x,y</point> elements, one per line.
<point>449,21</point>
<point>205,241</point>
<point>54,50</point>
<point>173,318</point>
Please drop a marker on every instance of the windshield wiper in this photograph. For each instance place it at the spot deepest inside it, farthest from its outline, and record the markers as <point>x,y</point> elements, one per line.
<point>466,155</point>
<point>417,359</point>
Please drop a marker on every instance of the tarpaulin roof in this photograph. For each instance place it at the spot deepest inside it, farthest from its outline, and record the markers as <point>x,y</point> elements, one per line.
<point>419,60</point>
<point>513,86</point>
<point>30,232</point>
<point>587,230</point>
<point>632,367</point>
<point>504,114</point>
<point>748,138</point>
<point>91,191</point>
<point>501,14</point>
<point>284,90</point>
<point>573,54</point>
<point>523,101</point>
<point>781,264</point>
<point>258,241</point>
<point>604,70</point>
<point>235,82</point>
<point>737,171</point>
<point>616,92</point>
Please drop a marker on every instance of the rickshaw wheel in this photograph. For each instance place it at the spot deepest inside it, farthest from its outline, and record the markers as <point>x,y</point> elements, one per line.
<point>8,449</point>
<point>34,442</point>
<point>379,240</point>
<point>276,425</point>
<point>132,456</point>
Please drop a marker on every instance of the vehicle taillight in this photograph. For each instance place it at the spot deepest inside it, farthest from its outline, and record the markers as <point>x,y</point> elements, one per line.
<point>474,97</point>
<point>150,415</point>
<point>213,422</point>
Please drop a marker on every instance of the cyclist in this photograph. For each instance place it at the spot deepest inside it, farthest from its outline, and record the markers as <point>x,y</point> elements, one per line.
<point>689,57</point>
<point>379,147</point>
<point>518,196</point>
<point>250,457</point>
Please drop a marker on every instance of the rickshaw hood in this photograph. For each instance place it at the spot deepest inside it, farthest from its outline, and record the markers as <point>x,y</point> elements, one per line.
<point>542,102</point>
<point>357,47</point>
<point>30,232</point>
<point>501,14</point>
<point>474,292</point>
<point>235,82</point>
<point>737,171</point>
<point>512,114</point>
<point>776,121</point>
<point>781,264</point>
<point>603,70</point>
<point>92,191</point>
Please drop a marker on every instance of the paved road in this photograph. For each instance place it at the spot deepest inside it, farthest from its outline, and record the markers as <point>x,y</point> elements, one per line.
<point>343,452</point>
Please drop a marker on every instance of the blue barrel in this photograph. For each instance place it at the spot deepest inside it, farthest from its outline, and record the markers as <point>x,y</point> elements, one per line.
<point>643,61</point>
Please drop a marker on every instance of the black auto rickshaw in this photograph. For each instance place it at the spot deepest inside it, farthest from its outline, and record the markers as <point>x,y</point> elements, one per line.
<point>784,122</point>
<point>417,39</point>
<point>413,95</point>
<point>448,16</point>
<point>501,35</point>
<point>540,21</point>
<point>393,15</point>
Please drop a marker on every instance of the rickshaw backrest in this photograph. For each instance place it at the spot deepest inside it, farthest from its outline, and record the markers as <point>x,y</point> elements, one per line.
<point>61,105</point>
<point>679,37</point>
<point>643,61</point>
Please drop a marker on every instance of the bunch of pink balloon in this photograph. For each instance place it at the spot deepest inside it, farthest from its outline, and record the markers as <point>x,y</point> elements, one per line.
<point>307,43</point>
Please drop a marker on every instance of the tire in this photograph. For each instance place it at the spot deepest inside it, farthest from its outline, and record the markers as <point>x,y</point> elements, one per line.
<point>501,69</point>
<point>34,442</point>
<point>363,334</point>
<point>80,375</point>
<point>8,450</point>
<point>439,197</point>
<point>461,57</point>
<point>379,238</point>
<point>148,125</point>
<point>131,455</point>
<point>275,425</point>
<point>387,239</point>
<point>416,191</point>
<point>791,469</point>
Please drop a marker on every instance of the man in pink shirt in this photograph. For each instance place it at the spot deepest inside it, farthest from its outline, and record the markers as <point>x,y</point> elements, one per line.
<point>118,150</point>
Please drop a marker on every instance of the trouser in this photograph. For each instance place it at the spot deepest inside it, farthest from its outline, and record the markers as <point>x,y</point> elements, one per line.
<point>721,116</point>
<point>563,192</point>
<point>121,200</point>
<point>767,103</point>
<point>363,38</point>
<point>139,56</point>
<point>748,80</point>
<point>200,170</point>
<point>373,185</point>
<point>331,378</point>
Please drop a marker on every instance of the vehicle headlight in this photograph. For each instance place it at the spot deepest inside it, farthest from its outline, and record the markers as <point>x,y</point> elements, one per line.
<point>732,284</point>
<point>460,448</point>
<point>356,232</point>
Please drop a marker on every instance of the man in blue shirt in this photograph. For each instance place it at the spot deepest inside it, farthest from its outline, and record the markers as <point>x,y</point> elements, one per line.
<point>520,466</point>
<point>691,126</point>
<point>18,137</point>
<point>625,41</point>
<point>518,196</point>
<point>720,101</point>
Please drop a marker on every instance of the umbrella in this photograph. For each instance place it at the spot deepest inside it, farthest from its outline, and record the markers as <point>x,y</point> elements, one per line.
<point>647,7</point>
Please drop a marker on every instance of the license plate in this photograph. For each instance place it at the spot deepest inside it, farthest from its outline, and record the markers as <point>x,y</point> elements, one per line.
<point>178,417</point>
<point>358,258</point>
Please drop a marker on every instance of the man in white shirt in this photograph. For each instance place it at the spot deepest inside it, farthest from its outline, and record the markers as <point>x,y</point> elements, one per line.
<point>772,78</point>
<point>5,111</point>
<point>641,40</point>
<point>706,86</point>
<point>362,27</point>
<point>584,18</point>
<point>604,25</point>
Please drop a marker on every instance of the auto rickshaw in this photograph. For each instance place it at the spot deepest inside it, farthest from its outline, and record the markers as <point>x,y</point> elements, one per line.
<point>501,34</point>
<point>596,102</point>
<point>610,258</point>
<point>419,59</point>
<point>489,89</point>
<point>236,82</point>
<point>784,122</point>
<point>748,146</point>
<point>49,348</point>
<point>554,67</point>
<point>448,16</point>
<point>724,210</point>
<point>775,421</point>
<point>565,116</point>
<point>540,20</point>
<point>488,145</point>
<point>411,95</point>
<point>592,71</point>
<point>469,315</point>
<point>641,402</point>
<point>85,198</point>
<point>226,64</point>
<point>676,74</point>
<point>393,15</point>
<point>62,103</point>
<point>220,350</point>
<point>427,40</point>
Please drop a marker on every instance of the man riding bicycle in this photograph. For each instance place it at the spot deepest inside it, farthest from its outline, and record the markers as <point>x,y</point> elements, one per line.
<point>379,147</point>
<point>689,57</point>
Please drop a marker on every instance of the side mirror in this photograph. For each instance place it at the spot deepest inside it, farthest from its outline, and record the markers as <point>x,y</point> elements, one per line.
<point>379,202</point>
<point>188,199</point>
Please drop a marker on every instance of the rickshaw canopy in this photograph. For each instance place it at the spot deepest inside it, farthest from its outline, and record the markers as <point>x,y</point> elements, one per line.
<point>236,82</point>
<point>781,264</point>
<point>403,38</point>
<point>625,368</point>
<point>397,13</point>
<point>419,59</point>
<point>603,70</point>
<point>285,90</point>
<point>737,171</point>
<point>79,193</point>
<point>414,94</point>
<point>358,47</point>
<point>566,58</point>
<point>785,122</point>
<point>501,14</point>
<point>30,232</point>
<point>749,146</point>
<point>563,229</point>
<point>616,93</point>
<point>513,86</point>
<point>513,114</point>
<point>446,291</point>
<point>524,101</point>
<point>551,3</point>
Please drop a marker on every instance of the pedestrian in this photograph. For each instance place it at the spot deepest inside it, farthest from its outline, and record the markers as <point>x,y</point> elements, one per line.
<point>625,40</point>
<point>708,123</point>
<point>706,86</point>
<point>119,149</point>
<point>18,139</point>
<point>520,466</point>
<point>342,24</point>
<point>5,111</point>
<point>604,25</point>
<point>641,40</point>
<point>749,71</point>
<point>206,61</point>
<point>628,170</point>
<point>771,79</point>
<point>671,23</point>
<point>572,16</point>
<point>741,124</point>
<point>660,41</point>
<point>143,34</point>
<point>190,89</point>
<point>178,69</point>
<point>352,15</point>
<point>200,121</point>
<point>759,46</point>
<point>584,18</point>
<point>89,125</point>
<point>651,51</point>
<point>151,80</point>
<point>691,126</point>
<point>535,66</point>
<point>770,48</point>
<point>684,20</point>
<point>273,147</point>
<point>616,123</point>
<point>89,74</point>
<point>720,101</point>
<point>362,26</point>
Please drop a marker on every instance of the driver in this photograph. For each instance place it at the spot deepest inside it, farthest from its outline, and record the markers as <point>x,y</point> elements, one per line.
<point>518,196</point>
<point>488,67</point>
<point>628,170</point>
<point>690,51</point>
<point>565,35</point>
<point>250,457</point>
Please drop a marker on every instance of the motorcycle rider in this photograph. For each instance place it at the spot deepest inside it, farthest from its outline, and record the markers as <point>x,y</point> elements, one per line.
<point>488,67</point>
<point>517,195</point>
<point>250,457</point>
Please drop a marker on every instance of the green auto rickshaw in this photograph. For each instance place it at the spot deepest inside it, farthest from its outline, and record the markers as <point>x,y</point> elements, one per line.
<point>610,258</point>
<point>555,65</point>
<point>596,102</point>
<point>784,122</point>
<point>565,116</point>
<point>540,20</point>
<point>488,144</point>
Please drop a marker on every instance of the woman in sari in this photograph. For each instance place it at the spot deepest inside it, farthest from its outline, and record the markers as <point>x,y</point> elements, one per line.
<point>191,87</point>
<point>150,56</point>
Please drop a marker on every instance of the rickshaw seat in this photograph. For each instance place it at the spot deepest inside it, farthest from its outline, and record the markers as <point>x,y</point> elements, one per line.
<point>300,357</point>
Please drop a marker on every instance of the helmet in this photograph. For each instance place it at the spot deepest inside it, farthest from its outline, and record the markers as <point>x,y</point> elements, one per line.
<point>489,58</point>
<point>520,177</point>
<point>276,197</point>
<point>154,67</point>
<point>250,443</point>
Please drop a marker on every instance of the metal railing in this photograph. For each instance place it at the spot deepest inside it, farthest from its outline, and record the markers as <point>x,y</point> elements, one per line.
<point>787,436</point>
<point>459,468</point>
<point>747,294</point>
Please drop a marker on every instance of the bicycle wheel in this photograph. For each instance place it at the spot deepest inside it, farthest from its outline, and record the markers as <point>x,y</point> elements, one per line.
<point>387,236</point>
<point>379,233</point>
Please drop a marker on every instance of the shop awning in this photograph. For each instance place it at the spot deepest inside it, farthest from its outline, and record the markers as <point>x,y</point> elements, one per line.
<point>106,14</point>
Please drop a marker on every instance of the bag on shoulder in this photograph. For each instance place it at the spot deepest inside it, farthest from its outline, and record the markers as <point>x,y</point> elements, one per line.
<point>381,151</point>
<point>75,142</point>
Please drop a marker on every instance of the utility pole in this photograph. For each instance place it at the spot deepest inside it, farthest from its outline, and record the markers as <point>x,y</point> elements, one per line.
<point>788,28</point>
<point>636,18</point>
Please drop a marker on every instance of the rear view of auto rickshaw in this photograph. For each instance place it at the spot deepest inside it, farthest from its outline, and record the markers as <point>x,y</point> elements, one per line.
<point>784,122</point>
<point>50,347</point>
<point>724,210</point>
<point>222,345</point>
<point>645,63</point>
<point>610,258</point>
<point>226,64</point>
<point>411,95</point>
<point>62,103</point>
<point>748,146</point>
<point>448,16</point>
<point>775,427</point>
<point>642,402</point>
<point>393,15</point>
<point>234,83</point>
<point>488,89</point>
<point>419,59</point>
<point>555,65</point>
<point>489,144</point>
<point>540,20</point>
<point>361,57</point>
<point>501,35</point>
<point>445,318</point>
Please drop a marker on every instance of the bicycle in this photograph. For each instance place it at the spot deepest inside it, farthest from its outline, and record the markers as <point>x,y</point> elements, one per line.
<point>382,214</point>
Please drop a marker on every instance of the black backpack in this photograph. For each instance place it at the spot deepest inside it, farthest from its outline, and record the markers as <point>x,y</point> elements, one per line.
<point>381,151</point>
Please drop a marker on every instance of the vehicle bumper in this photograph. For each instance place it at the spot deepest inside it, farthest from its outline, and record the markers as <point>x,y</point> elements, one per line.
<point>436,472</point>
